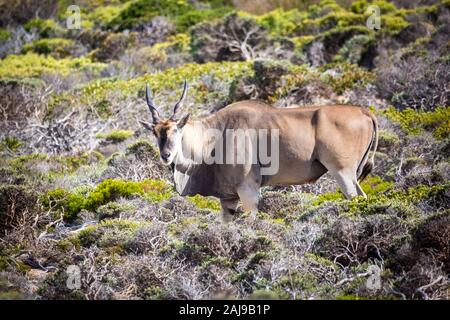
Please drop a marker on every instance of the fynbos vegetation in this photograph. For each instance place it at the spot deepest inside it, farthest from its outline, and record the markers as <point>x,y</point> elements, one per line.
<point>81,183</point>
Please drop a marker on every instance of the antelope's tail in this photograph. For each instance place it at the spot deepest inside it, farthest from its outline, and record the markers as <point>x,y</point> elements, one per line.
<point>366,164</point>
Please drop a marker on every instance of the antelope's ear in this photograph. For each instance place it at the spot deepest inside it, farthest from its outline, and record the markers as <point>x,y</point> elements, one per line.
<point>182,122</point>
<point>148,125</point>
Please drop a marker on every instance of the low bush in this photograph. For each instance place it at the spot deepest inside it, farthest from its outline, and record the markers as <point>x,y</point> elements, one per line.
<point>113,46</point>
<point>205,202</point>
<point>111,234</point>
<point>115,136</point>
<point>4,35</point>
<point>34,65</point>
<point>56,47</point>
<point>182,13</point>
<point>71,203</point>
<point>63,201</point>
<point>417,121</point>
<point>169,79</point>
<point>10,143</point>
<point>46,28</point>
<point>387,140</point>
<point>346,76</point>
<point>113,210</point>
<point>143,149</point>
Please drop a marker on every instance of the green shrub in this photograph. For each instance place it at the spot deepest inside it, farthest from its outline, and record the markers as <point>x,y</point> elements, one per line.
<point>348,77</point>
<point>114,233</point>
<point>319,260</point>
<point>262,294</point>
<point>329,196</point>
<point>142,149</point>
<point>31,83</point>
<point>71,203</point>
<point>329,17</point>
<point>382,196</point>
<point>298,76</point>
<point>110,190</point>
<point>10,143</point>
<point>169,79</point>
<point>354,49</point>
<point>20,162</point>
<point>113,46</point>
<point>46,28</point>
<point>280,22</point>
<point>4,34</point>
<point>416,121</point>
<point>338,19</point>
<point>301,41</point>
<point>157,190</point>
<point>335,20</point>
<point>387,139</point>
<point>4,261</point>
<point>60,200</point>
<point>113,210</point>
<point>8,292</point>
<point>322,7</point>
<point>359,6</point>
<point>411,162</point>
<point>144,10</point>
<point>33,65</point>
<point>57,47</point>
<point>193,17</point>
<point>54,165</point>
<point>296,280</point>
<point>204,202</point>
<point>362,5</point>
<point>181,12</point>
<point>392,25</point>
<point>178,42</point>
<point>155,293</point>
<point>375,185</point>
<point>105,14</point>
<point>399,200</point>
<point>114,159</point>
<point>156,57</point>
<point>103,108</point>
<point>115,136</point>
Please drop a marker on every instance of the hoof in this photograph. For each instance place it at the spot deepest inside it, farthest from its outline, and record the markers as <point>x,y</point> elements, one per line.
<point>226,217</point>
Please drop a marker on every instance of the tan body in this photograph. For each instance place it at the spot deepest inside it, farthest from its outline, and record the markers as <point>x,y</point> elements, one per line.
<point>313,140</point>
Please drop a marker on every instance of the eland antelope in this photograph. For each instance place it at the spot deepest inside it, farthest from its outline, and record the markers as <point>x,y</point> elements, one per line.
<point>304,143</point>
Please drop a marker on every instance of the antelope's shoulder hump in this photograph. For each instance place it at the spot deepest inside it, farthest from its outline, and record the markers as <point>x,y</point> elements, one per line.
<point>248,104</point>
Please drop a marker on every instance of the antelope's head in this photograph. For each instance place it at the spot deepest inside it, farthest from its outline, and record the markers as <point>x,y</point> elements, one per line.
<point>168,132</point>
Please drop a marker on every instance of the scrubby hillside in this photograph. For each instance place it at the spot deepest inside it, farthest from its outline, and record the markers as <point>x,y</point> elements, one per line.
<point>81,183</point>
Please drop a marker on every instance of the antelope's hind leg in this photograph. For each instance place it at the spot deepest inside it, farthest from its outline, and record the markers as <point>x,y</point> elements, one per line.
<point>229,207</point>
<point>249,196</point>
<point>348,183</point>
<point>360,190</point>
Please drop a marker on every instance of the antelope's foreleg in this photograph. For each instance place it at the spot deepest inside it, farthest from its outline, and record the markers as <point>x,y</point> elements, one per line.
<point>229,207</point>
<point>249,196</point>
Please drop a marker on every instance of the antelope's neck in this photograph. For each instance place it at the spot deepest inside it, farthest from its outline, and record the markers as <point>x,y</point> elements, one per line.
<point>192,142</point>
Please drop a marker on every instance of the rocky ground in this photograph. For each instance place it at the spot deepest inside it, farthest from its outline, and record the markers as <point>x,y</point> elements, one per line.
<point>81,184</point>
